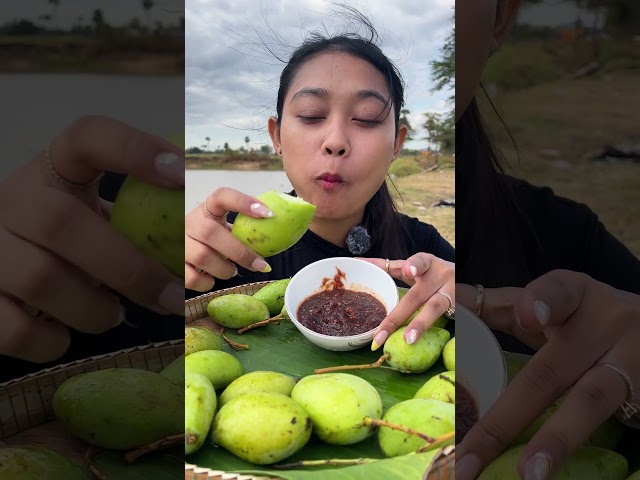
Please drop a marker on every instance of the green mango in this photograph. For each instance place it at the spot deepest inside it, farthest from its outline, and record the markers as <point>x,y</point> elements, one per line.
<point>198,338</point>
<point>449,355</point>
<point>439,387</point>
<point>152,218</point>
<point>420,356</point>
<point>272,295</point>
<point>237,310</point>
<point>634,476</point>
<point>120,408</point>
<point>588,463</point>
<point>36,463</point>
<point>258,381</point>
<point>337,404</point>
<point>174,372</point>
<point>431,417</point>
<point>441,322</point>
<point>200,403</point>
<point>221,368</point>
<point>270,236</point>
<point>261,427</point>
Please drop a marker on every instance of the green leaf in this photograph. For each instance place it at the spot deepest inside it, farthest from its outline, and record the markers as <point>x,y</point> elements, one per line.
<point>282,348</point>
<point>159,466</point>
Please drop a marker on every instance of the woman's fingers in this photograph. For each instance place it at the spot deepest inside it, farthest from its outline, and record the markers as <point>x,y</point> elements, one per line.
<point>83,238</point>
<point>225,200</point>
<point>42,280</point>
<point>196,279</point>
<point>30,338</point>
<point>94,144</point>
<point>593,399</point>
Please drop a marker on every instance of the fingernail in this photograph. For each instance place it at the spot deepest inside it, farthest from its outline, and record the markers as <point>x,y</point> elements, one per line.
<point>259,265</point>
<point>542,312</point>
<point>538,467</point>
<point>467,467</point>
<point>411,337</point>
<point>378,340</point>
<point>261,210</point>
<point>172,298</point>
<point>170,166</point>
<point>122,316</point>
<point>413,270</point>
<point>235,274</point>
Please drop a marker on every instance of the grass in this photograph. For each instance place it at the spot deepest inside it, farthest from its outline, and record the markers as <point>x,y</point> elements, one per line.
<point>575,118</point>
<point>238,161</point>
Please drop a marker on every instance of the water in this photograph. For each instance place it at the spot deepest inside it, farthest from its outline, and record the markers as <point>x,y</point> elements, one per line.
<point>200,183</point>
<point>35,107</point>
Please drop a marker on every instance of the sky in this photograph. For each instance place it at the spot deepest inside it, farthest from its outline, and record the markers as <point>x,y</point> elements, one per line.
<point>231,80</point>
<point>73,12</point>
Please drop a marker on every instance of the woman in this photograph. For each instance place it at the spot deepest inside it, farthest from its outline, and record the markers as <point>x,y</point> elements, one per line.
<point>337,129</point>
<point>560,285</point>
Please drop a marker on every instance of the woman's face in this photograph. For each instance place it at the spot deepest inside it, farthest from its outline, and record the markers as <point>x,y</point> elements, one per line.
<point>336,135</point>
<point>481,26</point>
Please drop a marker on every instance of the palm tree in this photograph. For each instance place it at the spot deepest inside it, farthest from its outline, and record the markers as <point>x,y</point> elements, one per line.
<point>148,5</point>
<point>54,10</point>
<point>247,140</point>
<point>207,140</point>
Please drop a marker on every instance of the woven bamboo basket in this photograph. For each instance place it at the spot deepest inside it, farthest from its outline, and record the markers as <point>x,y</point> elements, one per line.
<point>442,466</point>
<point>26,413</point>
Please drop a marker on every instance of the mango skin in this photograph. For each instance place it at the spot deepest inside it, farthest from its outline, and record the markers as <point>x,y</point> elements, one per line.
<point>120,408</point>
<point>221,368</point>
<point>634,476</point>
<point>272,295</point>
<point>440,322</point>
<point>420,356</point>
<point>174,372</point>
<point>449,355</point>
<point>439,387</point>
<point>258,381</point>
<point>198,338</point>
<point>35,463</point>
<point>261,427</point>
<point>270,236</point>
<point>431,417</point>
<point>337,404</point>
<point>590,463</point>
<point>237,310</point>
<point>200,403</point>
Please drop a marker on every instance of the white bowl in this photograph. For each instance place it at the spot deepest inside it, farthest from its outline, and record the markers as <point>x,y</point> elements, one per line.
<point>360,276</point>
<point>480,363</point>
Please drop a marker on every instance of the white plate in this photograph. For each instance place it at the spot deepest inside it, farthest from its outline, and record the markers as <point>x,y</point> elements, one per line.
<point>480,363</point>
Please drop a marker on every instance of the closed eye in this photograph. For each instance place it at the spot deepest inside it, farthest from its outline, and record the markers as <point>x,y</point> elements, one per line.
<point>368,123</point>
<point>310,119</point>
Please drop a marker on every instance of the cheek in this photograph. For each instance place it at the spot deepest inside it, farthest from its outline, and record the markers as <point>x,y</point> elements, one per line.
<point>474,27</point>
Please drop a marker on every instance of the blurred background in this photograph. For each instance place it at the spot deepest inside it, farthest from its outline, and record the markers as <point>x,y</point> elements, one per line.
<point>566,88</point>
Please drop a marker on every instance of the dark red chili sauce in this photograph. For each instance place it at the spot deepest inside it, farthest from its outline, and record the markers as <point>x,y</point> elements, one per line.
<point>466,412</point>
<point>337,311</point>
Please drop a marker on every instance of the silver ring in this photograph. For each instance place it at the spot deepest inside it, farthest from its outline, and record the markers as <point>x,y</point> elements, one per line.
<point>451,312</point>
<point>628,409</point>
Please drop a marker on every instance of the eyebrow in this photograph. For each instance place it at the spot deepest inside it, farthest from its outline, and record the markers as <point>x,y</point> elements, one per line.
<point>321,92</point>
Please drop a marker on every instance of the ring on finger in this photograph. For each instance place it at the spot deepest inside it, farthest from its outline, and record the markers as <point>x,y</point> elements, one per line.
<point>206,210</point>
<point>628,410</point>
<point>53,172</point>
<point>386,265</point>
<point>450,312</point>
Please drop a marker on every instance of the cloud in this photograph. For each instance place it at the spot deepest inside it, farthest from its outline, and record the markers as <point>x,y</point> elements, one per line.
<point>232,72</point>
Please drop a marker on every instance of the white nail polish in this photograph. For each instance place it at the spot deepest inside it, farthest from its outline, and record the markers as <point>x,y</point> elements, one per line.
<point>261,210</point>
<point>542,311</point>
<point>413,270</point>
<point>170,166</point>
<point>538,467</point>
<point>411,338</point>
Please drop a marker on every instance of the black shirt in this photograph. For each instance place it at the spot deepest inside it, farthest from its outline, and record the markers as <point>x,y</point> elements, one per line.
<point>418,237</point>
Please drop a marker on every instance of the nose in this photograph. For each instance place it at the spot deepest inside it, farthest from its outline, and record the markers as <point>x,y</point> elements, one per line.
<point>336,141</point>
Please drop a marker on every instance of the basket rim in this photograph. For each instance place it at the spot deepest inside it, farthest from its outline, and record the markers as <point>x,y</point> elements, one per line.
<point>74,363</point>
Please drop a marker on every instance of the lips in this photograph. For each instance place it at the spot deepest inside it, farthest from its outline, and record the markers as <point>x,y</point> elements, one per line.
<point>330,177</point>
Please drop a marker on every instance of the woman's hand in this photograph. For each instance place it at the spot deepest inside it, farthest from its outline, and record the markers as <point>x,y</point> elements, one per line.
<point>430,278</point>
<point>59,248</point>
<point>210,248</point>
<point>590,334</point>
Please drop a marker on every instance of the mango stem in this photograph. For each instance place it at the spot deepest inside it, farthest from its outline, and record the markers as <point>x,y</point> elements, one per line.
<point>92,468</point>
<point>376,422</point>
<point>275,319</point>
<point>377,364</point>
<point>165,442</point>
<point>437,442</point>
<point>332,462</point>
<point>237,346</point>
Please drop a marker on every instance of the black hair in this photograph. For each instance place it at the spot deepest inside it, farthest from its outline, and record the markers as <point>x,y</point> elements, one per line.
<point>381,213</point>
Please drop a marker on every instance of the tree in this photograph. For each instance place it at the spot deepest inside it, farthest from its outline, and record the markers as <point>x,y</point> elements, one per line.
<point>440,130</point>
<point>54,10</point>
<point>443,70</point>
<point>207,139</point>
<point>247,140</point>
<point>226,147</point>
<point>266,149</point>
<point>148,5</point>
<point>98,20</point>
<point>404,118</point>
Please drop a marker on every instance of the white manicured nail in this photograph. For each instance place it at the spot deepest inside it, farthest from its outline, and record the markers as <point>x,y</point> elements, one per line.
<point>261,210</point>
<point>171,167</point>
<point>542,311</point>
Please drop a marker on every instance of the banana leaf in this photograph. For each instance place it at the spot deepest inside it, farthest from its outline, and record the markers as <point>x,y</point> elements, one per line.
<point>282,348</point>
<point>159,466</point>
